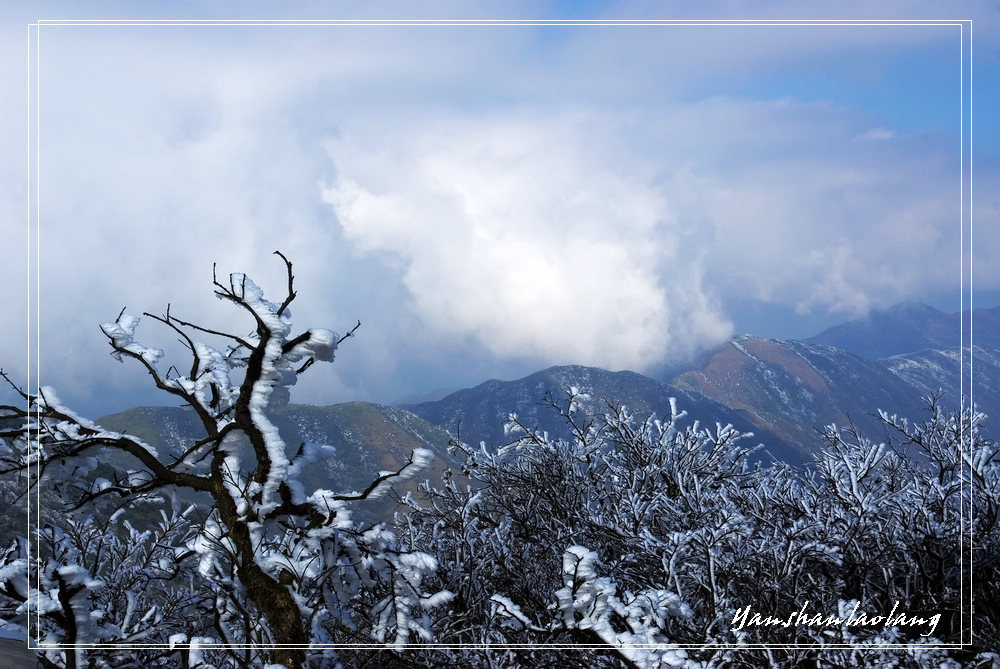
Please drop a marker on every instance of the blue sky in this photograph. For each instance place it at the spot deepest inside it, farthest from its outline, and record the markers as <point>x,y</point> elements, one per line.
<point>490,200</point>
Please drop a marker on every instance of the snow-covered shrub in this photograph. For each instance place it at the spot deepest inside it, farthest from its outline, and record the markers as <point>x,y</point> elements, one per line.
<point>650,545</point>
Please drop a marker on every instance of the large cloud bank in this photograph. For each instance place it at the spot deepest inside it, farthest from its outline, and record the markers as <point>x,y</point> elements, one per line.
<point>491,199</point>
<point>612,239</point>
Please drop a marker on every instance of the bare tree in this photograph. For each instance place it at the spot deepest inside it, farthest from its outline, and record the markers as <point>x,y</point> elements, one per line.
<point>283,569</point>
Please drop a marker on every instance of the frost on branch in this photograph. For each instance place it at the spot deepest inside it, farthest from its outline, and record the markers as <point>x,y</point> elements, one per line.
<point>122,333</point>
<point>99,581</point>
<point>589,602</point>
<point>271,568</point>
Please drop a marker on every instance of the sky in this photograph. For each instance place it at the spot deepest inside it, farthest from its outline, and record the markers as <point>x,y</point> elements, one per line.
<point>488,200</point>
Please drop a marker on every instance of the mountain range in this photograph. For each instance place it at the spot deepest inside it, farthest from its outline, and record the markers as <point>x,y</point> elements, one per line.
<point>783,391</point>
<point>477,415</point>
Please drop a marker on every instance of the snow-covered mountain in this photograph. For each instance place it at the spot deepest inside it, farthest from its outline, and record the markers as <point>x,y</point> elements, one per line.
<point>795,389</point>
<point>946,370</point>
<point>957,354</point>
<point>478,414</point>
<point>783,391</point>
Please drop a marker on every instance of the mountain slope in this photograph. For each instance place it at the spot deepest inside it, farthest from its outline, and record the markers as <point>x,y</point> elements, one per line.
<point>889,360</point>
<point>783,391</point>
<point>934,371</point>
<point>478,414</point>
<point>923,347</point>
<point>795,389</point>
<point>907,328</point>
<point>368,438</point>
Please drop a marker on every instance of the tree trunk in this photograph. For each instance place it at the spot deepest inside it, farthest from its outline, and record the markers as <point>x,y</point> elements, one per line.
<point>282,613</point>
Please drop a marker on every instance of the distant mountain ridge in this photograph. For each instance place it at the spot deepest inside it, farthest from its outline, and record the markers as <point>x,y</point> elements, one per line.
<point>947,371</point>
<point>795,389</point>
<point>784,392</point>
<point>888,360</point>
<point>912,327</point>
<point>478,414</point>
<point>957,354</point>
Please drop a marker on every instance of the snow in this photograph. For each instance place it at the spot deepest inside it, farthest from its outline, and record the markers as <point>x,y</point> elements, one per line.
<point>277,372</point>
<point>420,460</point>
<point>310,453</point>
<point>437,599</point>
<point>15,576</point>
<point>121,334</point>
<point>9,630</point>
<point>196,657</point>
<point>504,606</point>
<point>320,344</point>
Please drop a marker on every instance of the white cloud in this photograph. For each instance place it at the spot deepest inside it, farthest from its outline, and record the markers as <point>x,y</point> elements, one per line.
<point>601,239</point>
<point>521,235</point>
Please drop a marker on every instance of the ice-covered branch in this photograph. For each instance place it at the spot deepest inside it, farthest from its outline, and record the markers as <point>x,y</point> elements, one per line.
<point>420,459</point>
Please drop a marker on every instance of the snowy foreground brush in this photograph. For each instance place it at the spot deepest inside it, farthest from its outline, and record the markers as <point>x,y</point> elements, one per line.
<point>654,543</point>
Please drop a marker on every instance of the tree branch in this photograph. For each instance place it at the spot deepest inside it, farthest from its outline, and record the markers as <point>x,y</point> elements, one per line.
<point>291,278</point>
